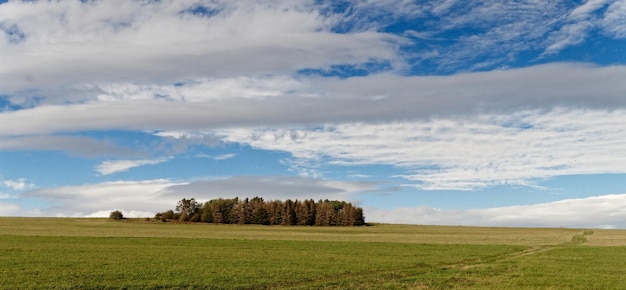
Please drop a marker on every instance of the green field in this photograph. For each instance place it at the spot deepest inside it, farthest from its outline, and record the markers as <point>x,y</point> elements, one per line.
<point>99,253</point>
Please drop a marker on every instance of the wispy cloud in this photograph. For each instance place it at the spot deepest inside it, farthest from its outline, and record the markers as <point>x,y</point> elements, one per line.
<point>217,157</point>
<point>613,21</point>
<point>115,166</point>
<point>225,156</point>
<point>464,153</point>
<point>577,26</point>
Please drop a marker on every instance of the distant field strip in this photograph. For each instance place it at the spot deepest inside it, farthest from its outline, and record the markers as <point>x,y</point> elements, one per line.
<point>98,253</point>
<point>377,233</point>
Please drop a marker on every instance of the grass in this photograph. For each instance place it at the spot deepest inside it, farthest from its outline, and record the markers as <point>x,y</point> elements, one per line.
<point>98,253</point>
<point>377,233</point>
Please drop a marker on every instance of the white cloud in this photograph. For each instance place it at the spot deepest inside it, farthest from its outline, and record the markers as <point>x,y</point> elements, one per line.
<point>110,167</point>
<point>87,200</point>
<point>464,153</point>
<point>18,185</point>
<point>613,22</point>
<point>138,198</point>
<point>10,209</point>
<point>492,33</point>
<point>594,212</point>
<point>71,44</point>
<point>225,156</point>
<point>202,90</point>
<point>578,24</point>
<point>217,157</point>
<point>589,7</point>
<point>568,35</point>
<point>127,214</point>
<point>118,47</point>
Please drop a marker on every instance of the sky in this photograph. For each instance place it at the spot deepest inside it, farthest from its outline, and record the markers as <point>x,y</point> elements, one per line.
<point>442,112</point>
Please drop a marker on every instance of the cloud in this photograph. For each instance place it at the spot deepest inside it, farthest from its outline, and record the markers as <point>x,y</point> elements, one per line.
<point>605,211</point>
<point>613,21</point>
<point>138,198</point>
<point>463,153</point>
<point>127,214</point>
<point>202,90</point>
<point>55,50</point>
<point>385,119</point>
<point>217,157</point>
<point>10,209</point>
<point>224,156</point>
<point>68,45</point>
<point>110,167</point>
<point>17,185</point>
<point>579,23</point>
<point>493,34</point>
<point>89,199</point>
<point>275,187</point>
<point>144,198</point>
<point>373,98</point>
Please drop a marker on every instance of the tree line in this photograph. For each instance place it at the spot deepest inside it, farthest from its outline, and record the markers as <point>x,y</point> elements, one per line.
<point>258,211</point>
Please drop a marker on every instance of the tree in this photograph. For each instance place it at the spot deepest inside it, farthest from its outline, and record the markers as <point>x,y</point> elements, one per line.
<point>188,208</point>
<point>261,217</point>
<point>116,215</point>
<point>310,207</point>
<point>165,216</point>
<point>359,218</point>
<point>274,210</point>
<point>207,212</point>
<point>322,216</point>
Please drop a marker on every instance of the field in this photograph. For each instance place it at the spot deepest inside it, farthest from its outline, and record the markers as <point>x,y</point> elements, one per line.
<point>99,253</point>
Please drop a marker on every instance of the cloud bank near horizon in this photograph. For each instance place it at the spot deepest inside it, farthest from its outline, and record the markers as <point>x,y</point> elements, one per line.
<point>604,212</point>
<point>140,198</point>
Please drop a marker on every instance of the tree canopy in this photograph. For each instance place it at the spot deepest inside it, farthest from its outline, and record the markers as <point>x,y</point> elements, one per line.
<point>258,211</point>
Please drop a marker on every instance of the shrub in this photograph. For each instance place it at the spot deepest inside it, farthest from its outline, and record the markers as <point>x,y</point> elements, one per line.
<point>116,215</point>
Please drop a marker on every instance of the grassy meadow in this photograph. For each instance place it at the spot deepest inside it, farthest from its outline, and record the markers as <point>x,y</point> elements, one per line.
<point>99,253</point>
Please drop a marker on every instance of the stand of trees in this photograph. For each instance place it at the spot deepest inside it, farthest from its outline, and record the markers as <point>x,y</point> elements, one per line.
<point>257,211</point>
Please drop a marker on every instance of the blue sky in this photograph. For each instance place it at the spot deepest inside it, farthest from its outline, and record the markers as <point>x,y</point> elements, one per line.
<point>490,113</point>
